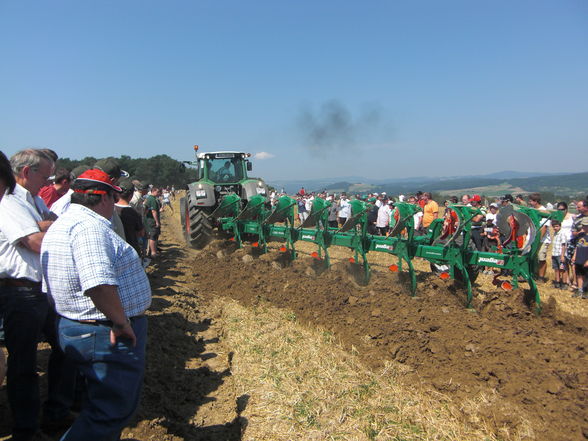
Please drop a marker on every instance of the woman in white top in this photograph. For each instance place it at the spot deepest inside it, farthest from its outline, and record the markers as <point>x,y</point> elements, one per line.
<point>566,228</point>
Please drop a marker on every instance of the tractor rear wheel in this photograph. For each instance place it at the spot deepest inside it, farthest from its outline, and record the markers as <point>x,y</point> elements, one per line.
<point>197,224</point>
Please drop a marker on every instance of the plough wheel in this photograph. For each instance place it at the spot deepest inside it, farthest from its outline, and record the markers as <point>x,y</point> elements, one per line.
<point>473,270</point>
<point>197,224</point>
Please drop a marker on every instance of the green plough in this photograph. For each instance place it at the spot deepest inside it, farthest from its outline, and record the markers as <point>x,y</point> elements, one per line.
<point>446,244</point>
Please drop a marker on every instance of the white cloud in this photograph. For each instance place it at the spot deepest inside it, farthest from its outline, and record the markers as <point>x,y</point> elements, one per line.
<point>263,155</point>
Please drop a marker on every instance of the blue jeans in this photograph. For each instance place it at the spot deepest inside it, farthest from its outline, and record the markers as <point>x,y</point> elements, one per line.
<point>114,377</point>
<point>27,314</point>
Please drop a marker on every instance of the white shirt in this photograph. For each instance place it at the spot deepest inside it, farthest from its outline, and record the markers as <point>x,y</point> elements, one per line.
<point>383,216</point>
<point>566,227</point>
<point>62,204</point>
<point>344,209</point>
<point>18,218</point>
<point>418,219</point>
<point>545,223</point>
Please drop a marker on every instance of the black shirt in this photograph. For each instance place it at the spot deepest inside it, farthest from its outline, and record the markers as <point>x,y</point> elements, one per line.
<point>132,224</point>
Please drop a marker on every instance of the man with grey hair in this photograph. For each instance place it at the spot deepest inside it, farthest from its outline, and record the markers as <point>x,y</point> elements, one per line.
<point>25,308</point>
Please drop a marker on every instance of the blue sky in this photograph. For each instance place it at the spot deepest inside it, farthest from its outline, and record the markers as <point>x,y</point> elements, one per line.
<point>315,89</point>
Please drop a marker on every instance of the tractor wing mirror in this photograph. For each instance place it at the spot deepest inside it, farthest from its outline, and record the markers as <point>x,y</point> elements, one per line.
<point>249,166</point>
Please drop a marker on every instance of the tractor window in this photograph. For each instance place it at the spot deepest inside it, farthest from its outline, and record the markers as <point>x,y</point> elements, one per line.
<point>225,170</point>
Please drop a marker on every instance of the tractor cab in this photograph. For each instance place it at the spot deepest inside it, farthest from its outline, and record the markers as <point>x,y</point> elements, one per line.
<point>223,167</point>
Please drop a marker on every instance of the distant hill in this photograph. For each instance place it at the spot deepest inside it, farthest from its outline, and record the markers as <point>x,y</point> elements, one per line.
<point>292,187</point>
<point>495,184</point>
<point>510,174</point>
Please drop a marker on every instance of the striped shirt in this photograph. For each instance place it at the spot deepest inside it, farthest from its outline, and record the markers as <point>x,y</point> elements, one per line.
<point>79,252</point>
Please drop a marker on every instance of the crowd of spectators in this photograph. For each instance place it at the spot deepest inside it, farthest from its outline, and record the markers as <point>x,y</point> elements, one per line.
<point>73,250</point>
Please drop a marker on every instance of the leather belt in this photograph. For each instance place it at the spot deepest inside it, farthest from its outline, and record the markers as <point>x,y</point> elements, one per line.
<point>103,322</point>
<point>20,283</point>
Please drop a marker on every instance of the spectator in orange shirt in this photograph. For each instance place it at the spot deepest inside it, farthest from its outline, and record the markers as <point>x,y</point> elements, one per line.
<point>430,210</point>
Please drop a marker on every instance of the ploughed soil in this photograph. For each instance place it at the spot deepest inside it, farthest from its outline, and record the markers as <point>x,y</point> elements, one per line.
<point>535,364</point>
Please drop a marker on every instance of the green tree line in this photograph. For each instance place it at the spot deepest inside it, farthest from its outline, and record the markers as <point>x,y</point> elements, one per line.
<point>160,170</point>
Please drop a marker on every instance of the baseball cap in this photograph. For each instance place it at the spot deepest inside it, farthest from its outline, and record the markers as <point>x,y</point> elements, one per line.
<point>126,184</point>
<point>94,181</point>
<point>78,171</point>
<point>111,167</point>
<point>372,200</point>
<point>494,205</point>
<point>141,185</point>
<point>476,198</point>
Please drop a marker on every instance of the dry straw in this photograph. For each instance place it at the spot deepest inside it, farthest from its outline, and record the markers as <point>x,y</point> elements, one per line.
<point>301,385</point>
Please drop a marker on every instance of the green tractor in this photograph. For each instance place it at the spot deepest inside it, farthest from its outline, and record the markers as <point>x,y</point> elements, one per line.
<point>219,174</point>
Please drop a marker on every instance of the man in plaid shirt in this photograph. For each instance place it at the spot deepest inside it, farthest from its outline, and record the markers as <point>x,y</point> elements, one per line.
<point>100,292</point>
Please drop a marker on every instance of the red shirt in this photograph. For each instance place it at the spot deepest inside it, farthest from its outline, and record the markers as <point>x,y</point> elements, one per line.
<point>49,195</point>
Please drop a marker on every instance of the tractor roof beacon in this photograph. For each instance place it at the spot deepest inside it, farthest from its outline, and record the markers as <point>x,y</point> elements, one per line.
<point>219,174</point>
